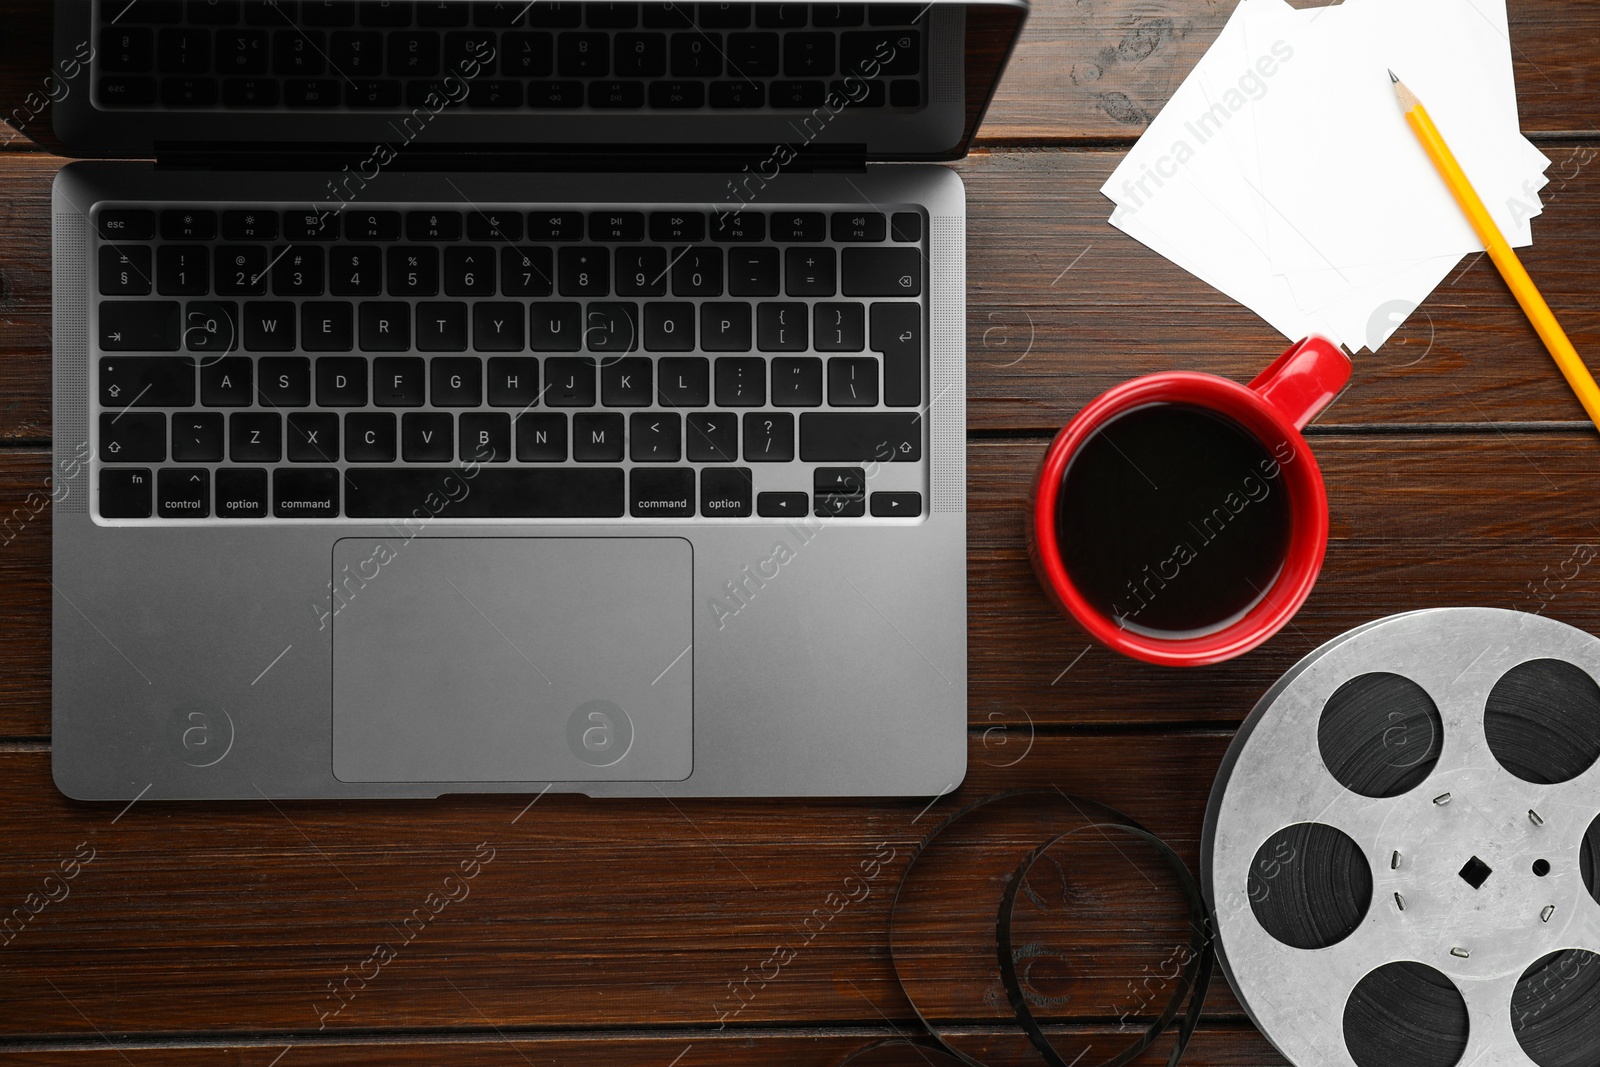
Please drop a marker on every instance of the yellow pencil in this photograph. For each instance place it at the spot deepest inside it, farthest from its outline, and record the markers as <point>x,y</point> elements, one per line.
<point>1510,267</point>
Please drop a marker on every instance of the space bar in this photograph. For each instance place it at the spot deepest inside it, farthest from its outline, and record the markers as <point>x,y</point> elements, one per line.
<point>483,492</point>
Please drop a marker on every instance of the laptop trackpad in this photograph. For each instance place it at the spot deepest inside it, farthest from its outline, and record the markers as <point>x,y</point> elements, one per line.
<point>497,659</point>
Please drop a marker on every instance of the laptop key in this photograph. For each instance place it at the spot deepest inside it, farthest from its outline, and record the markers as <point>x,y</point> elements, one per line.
<point>683,226</point>
<point>697,271</point>
<point>127,91</point>
<point>139,325</point>
<point>781,505</point>
<point>414,271</point>
<point>797,382</point>
<point>269,326</point>
<point>283,381</point>
<point>555,326</point>
<point>555,226</point>
<point>497,492</point>
<point>498,327</point>
<point>126,224</point>
<point>853,382</point>
<point>897,333</point>
<point>810,271</point>
<point>188,224</point>
<point>725,492</point>
<point>241,493</point>
<point>741,381</point>
<point>895,505</point>
<point>189,92</point>
<point>441,327</point>
<point>753,272</point>
<point>625,382</point>
<point>555,94</point>
<point>782,327</point>
<point>469,271</point>
<point>768,436</point>
<point>311,493</point>
<point>369,437</point>
<point>569,382</point>
<point>584,271</point>
<point>486,437</point>
<point>526,271</point>
<point>886,271</point>
<point>183,493</point>
<point>399,381</point>
<point>527,55</point>
<point>642,271</point>
<point>241,270</point>
<point>685,382</point>
<point>384,326</point>
<point>858,226</point>
<point>427,437</point>
<point>808,226</point>
<point>126,50</point>
<point>583,55</point>
<point>183,51</point>
<point>255,437</point>
<point>227,382</point>
<point>128,437</point>
<point>513,381</point>
<point>297,271</point>
<point>183,270</point>
<point>211,326</point>
<point>839,327</point>
<point>125,493</point>
<point>327,326</point>
<point>677,95</point>
<point>661,492</point>
<point>457,382</point>
<point>860,436</point>
<point>597,437</point>
<point>313,437</point>
<point>669,327</point>
<point>712,437</point>
<point>146,381</point>
<point>655,436</point>
<point>725,327</point>
<point>542,437</point>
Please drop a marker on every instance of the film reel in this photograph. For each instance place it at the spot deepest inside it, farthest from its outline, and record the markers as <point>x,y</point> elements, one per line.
<point>1400,848</point>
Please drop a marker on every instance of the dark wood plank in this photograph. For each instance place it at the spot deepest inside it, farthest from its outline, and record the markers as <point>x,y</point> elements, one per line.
<point>1212,1047</point>
<point>1044,339</point>
<point>1104,68</point>
<point>1417,521</point>
<point>241,917</point>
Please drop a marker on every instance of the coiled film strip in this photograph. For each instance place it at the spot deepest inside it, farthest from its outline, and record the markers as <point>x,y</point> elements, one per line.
<point>1399,848</point>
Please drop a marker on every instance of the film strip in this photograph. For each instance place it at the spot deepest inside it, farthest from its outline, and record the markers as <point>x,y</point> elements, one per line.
<point>1024,912</point>
<point>1399,851</point>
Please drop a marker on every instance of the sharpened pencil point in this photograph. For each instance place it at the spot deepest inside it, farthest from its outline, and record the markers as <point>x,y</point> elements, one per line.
<point>1394,78</point>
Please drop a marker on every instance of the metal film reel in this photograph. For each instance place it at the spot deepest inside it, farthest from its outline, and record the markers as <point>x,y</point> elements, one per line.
<point>1400,847</point>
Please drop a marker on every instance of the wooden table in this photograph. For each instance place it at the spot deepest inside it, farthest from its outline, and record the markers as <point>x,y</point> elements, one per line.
<point>1459,470</point>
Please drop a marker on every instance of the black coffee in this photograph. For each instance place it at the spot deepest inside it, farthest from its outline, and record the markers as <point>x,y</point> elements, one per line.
<point>1173,520</point>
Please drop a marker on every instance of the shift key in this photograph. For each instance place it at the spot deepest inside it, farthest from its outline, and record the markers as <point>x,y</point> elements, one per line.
<point>861,437</point>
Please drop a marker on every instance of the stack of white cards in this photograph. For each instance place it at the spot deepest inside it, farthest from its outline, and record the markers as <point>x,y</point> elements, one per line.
<point>1283,172</point>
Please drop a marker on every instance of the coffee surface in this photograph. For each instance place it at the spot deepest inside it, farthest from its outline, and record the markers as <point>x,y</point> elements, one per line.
<point>1174,521</point>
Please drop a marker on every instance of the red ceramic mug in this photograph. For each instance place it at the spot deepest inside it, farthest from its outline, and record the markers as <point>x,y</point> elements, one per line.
<point>1273,409</point>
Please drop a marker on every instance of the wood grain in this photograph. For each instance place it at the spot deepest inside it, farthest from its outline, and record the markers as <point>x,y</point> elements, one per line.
<point>1061,306</point>
<point>581,914</point>
<point>1104,68</point>
<point>1417,521</point>
<point>1213,1046</point>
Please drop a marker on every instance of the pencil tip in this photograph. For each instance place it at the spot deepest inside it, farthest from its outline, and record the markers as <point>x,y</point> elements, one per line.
<point>1393,78</point>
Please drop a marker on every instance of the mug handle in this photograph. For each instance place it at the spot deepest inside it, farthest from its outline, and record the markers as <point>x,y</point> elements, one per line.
<point>1305,379</point>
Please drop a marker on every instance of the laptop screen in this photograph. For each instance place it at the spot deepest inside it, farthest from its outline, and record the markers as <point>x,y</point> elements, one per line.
<point>440,80</point>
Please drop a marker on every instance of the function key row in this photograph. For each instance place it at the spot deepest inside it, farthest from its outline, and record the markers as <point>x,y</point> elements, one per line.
<point>651,492</point>
<point>665,227</point>
<point>448,14</point>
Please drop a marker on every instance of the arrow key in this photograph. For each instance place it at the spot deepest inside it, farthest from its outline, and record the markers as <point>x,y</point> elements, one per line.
<point>896,505</point>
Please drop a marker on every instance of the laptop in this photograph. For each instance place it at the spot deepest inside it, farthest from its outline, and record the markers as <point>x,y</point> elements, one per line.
<point>507,397</point>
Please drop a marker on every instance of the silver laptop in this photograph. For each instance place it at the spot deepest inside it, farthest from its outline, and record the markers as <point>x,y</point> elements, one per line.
<point>500,397</point>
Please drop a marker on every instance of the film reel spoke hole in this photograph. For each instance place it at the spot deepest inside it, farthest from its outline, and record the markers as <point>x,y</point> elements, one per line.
<point>1475,872</point>
<point>1405,1014</point>
<point>1380,734</point>
<point>1310,885</point>
<point>1555,1009</point>
<point>1542,721</point>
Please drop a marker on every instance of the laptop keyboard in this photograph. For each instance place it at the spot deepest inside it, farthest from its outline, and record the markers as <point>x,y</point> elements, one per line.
<point>267,361</point>
<point>280,55</point>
